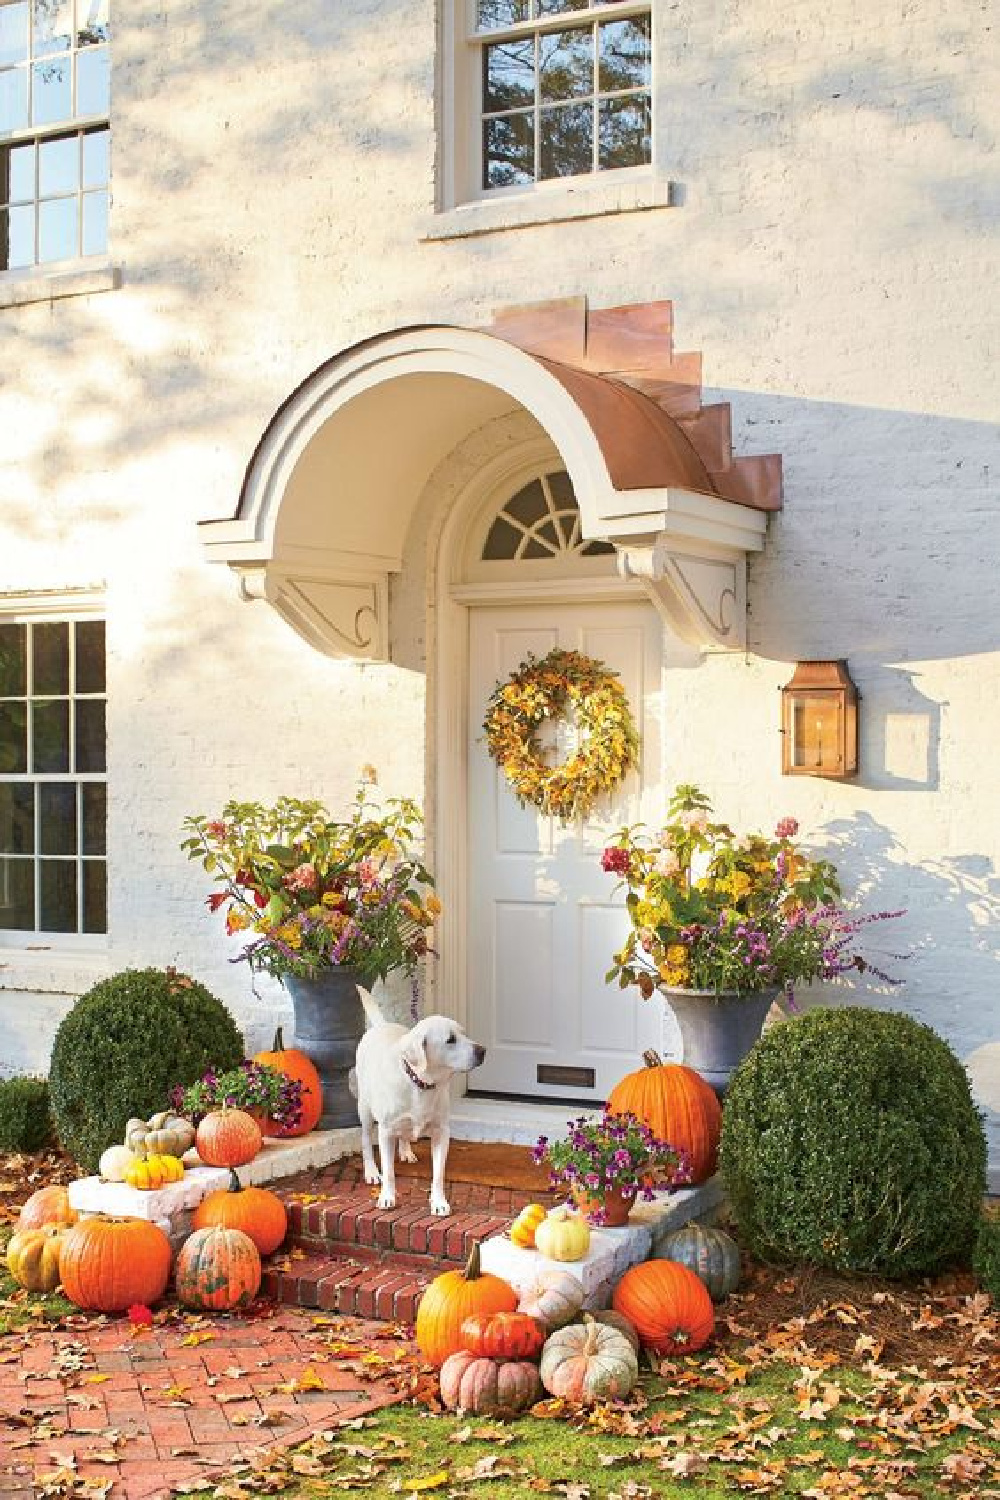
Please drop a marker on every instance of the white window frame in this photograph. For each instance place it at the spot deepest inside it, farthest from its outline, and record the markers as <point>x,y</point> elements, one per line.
<point>68,608</point>
<point>461,115</point>
<point>74,125</point>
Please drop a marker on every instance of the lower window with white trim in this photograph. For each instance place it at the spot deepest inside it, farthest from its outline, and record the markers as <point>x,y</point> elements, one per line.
<point>53,779</point>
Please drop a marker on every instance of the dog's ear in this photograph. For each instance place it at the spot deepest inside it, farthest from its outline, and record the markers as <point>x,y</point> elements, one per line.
<point>413,1050</point>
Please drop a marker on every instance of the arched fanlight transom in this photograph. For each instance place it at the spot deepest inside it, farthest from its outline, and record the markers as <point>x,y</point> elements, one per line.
<point>541,521</point>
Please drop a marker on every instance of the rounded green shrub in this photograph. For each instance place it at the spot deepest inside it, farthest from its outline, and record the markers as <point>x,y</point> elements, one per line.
<point>122,1047</point>
<point>25,1114</point>
<point>986,1255</point>
<point>850,1140</point>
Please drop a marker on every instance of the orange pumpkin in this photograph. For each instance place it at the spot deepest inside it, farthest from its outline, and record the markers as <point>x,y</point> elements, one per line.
<point>228,1138</point>
<point>107,1264</point>
<point>259,1213</point>
<point>49,1205</point>
<point>217,1269</point>
<point>678,1106</point>
<point>295,1064</point>
<point>450,1299</point>
<point>668,1305</point>
<point>503,1335</point>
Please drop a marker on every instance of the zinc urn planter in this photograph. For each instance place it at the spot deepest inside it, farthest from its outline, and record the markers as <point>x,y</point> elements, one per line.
<point>329,1024</point>
<point>718,1029</point>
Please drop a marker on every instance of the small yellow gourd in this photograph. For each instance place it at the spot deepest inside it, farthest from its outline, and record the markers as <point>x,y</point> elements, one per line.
<point>154,1172</point>
<point>33,1257</point>
<point>522,1231</point>
<point>563,1235</point>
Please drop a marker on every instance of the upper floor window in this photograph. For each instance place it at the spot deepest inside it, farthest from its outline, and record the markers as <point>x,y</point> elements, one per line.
<point>55,95</point>
<point>564,88</point>
<point>53,778</point>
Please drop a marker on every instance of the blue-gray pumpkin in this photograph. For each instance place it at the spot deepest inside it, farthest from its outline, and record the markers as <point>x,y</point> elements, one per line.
<point>711,1254</point>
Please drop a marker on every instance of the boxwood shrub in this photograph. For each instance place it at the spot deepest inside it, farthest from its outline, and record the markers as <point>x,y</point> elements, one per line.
<point>122,1046</point>
<point>25,1114</point>
<point>850,1140</point>
<point>986,1255</point>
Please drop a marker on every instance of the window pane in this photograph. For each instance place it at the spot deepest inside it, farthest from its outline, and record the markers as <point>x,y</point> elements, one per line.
<point>95,223</point>
<point>17,818</point>
<point>51,99</point>
<point>502,542</point>
<point>13,660</point>
<point>53,26</point>
<point>625,137</point>
<point>13,98</point>
<point>553,7</point>
<point>13,738</point>
<point>13,32</point>
<point>624,52</point>
<point>509,75</point>
<point>567,140</point>
<point>57,817</point>
<point>17,172</point>
<point>95,896</point>
<point>90,738</point>
<point>93,81</point>
<point>96,158</point>
<point>50,730</point>
<point>17,238</point>
<point>528,505</point>
<point>508,151</point>
<point>59,166</point>
<point>495,13</point>
<point>566,63</point>
<point>57,229</point>
<point>95,817</point>
<point>50,659</point>
<point>90,656</point>
<point>58,895</point>
<point>93,20</point>
<point>17,895</point>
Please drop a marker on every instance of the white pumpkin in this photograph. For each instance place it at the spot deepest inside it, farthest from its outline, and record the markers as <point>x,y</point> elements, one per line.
<point>563,1235</point>
<point>115,1162</point>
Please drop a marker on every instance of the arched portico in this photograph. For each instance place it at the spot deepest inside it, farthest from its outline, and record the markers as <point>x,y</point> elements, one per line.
<point>331,489</point>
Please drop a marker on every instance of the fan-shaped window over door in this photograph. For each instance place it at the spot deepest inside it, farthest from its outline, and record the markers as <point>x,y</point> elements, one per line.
<point>540,522</point>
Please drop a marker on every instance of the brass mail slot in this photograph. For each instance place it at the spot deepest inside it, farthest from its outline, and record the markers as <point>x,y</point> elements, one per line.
<point>576,1078</point>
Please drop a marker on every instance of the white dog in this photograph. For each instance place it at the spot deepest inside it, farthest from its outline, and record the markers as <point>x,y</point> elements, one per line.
<point>403,1082</point>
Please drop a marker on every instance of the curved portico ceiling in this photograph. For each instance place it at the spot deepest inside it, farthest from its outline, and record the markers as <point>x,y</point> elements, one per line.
<point>332,487</point>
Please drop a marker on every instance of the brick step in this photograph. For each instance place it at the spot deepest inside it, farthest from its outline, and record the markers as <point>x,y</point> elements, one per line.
<point>387,1291</point>
<point>351,1224</point>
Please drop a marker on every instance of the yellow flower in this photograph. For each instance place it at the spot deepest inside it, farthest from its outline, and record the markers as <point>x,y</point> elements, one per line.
<point>677,955</point>
<point>433,904</point>
<point>289,934</point>
<point>237,920</point>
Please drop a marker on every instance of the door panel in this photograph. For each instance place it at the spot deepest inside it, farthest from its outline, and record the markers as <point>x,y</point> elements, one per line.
<point>543,926</point>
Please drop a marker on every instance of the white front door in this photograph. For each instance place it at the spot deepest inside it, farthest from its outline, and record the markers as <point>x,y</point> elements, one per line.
<point>542,922</point>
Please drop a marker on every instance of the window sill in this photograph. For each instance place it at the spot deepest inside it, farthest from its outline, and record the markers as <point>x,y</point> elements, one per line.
<point>51,970</point>
<point>549,204</point>
<point>74,279</point>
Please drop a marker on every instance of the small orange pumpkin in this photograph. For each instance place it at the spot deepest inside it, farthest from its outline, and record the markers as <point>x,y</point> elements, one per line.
<point>678,1106</point>
<point>503,1335</point>
<point>295,1064</point>
<point>522,1231</point>
<point>49,1205</point>
<point>228,1138</point>
<point>217,1269</point>
<point>668,1305</point>
<point>258,1212</point>
<point>107,1264</point>
<point>450,1299</point>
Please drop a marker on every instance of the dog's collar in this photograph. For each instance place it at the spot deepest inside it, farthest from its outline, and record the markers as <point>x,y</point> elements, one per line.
<point>415,1077</point>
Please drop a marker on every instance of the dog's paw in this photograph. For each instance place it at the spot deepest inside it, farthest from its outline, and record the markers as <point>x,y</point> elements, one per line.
<point>406,1152</point>
<point>373,1176</point>
<point>441,1207</point>
<point>386,1200</point>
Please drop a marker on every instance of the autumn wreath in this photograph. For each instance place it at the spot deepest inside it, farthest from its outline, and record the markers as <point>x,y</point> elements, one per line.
<point>546,688</point>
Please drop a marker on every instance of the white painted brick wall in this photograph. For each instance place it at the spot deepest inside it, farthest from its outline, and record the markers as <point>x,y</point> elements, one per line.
<point>832,253</point>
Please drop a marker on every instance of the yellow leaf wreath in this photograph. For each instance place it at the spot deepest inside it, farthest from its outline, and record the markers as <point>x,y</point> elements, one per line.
<point>543,689</point>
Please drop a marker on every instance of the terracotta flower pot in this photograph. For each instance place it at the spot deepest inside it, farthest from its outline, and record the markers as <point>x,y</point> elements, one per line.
<point>616,1205</point>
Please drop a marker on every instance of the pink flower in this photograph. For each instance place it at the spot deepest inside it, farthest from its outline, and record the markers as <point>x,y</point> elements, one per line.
<point>787,828</point>
<point>216,829</point>
<point>614,861</point>
<point>367,872</point>
<point>302,878</point>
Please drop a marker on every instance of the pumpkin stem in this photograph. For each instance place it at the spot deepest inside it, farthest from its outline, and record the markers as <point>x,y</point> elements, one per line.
<point>279,1045</point>
<point>651,1058</point>
<point>473,1268</point>
<point>235,1185</point>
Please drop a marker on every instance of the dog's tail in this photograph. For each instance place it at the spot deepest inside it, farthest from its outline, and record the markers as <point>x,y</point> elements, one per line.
<point>375,1016</point>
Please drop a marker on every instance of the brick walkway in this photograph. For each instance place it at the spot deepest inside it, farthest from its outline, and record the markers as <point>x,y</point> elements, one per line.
<point>150,1409</point>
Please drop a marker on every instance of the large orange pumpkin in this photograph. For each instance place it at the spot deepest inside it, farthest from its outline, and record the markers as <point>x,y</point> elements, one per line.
<point>259,1213</point>
<point>668,1306</point>
<point>49,1205</point>
<point>450,1299</point>
<point>228,1138</point>
<point>217,1269</point>
<point>107,1264</point>
<point>295,1064</point>
<point>678,1106</point>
